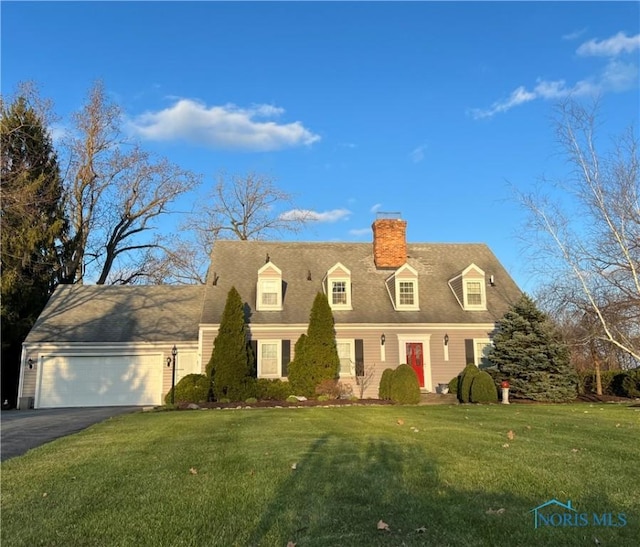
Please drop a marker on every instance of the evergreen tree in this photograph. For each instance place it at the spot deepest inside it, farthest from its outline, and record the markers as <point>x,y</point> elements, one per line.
<point>530,354</point>
<point>231,359</point>
<point>32,222</point>
<point>316,355</point>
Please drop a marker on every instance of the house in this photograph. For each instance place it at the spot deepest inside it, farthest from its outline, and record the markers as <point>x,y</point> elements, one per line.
<point>431,305</point>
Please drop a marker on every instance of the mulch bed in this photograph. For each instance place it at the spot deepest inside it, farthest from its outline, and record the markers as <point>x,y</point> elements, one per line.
<point>286,404</point>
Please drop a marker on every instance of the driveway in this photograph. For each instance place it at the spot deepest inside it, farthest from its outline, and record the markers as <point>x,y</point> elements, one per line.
<point>22,430</point>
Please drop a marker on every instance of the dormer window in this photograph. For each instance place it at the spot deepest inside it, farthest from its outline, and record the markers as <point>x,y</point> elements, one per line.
<point>269,288</point>
<point>338,287</point>
<point>403,289</point>
<point>469,289</point>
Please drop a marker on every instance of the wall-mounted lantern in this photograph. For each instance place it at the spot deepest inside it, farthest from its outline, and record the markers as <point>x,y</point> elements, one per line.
<point>382,339</point>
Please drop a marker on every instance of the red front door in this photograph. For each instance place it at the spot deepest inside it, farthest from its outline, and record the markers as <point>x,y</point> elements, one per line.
<point>414,359</point>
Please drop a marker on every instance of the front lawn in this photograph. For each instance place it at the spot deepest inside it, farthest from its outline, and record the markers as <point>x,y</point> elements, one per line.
<point>434,475</point>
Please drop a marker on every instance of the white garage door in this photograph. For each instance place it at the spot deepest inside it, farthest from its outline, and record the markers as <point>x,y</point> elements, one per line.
<point>117,380</point>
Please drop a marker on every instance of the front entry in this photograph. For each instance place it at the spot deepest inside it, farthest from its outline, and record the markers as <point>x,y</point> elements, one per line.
<point>415,360</point>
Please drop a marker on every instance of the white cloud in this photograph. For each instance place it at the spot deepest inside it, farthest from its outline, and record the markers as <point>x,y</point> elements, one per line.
<point>417,155</point>
<point>375,208</point>
<point>58,132</point>
<point>616,76</point>
<point>315,216</point>
<point>574,35</point>
<point>227,126</point>
<point>611,47</point>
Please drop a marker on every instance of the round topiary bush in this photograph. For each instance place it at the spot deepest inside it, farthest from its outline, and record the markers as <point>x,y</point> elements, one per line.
<point>193,388</point>
<point>453,385</point>
<point>384,390</point>
<point>464,382</point>
<point>405,388</point>
<point>483,388</point>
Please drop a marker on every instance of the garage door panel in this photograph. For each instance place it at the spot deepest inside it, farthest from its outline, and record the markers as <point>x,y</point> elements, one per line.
<point>114,380</point>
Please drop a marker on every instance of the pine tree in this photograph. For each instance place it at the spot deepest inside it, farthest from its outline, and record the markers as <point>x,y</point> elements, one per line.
<point>316,355</point>
<point>32,222</point>
<point>231,362</point>
<point>530,354</point>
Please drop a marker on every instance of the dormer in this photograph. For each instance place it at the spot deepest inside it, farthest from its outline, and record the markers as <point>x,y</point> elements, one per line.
<point>403,289</point>
<point>269,288</point>
<point>469,289</point>
<point>338,287</point>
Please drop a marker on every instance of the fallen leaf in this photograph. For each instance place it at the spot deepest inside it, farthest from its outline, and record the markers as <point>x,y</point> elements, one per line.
<point>291,544</point>
<point>528,427</point>
<point>416,430</point>
<point>421,530</point>
<point>383,526</point>
<point>511,435</point>
<point>596,540</point>
<point>44,494</point>
<point>617,425</point>
<point>193,471</point>
<point>400,421</point>
<point>505,445</point>
<point>495,511</point>
<point>574,450</point>
<point>294,466</point>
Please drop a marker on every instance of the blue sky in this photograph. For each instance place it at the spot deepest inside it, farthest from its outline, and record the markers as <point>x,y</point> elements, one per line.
<point>431,109</point>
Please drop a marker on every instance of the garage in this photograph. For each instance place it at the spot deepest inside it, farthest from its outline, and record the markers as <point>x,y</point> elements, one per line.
<point>99,380</point>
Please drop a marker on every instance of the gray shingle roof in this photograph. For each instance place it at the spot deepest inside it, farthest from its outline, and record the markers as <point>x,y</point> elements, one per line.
<point>236,263</point>
<point>102,314</point>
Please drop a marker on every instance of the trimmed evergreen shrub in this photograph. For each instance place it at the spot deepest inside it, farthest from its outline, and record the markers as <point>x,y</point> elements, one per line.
<point>272,390</point>
<point>316,355</point>
<point>587,381</point>
<point>453,385</point>
<point>384,390</point>
<point>483,388</point>
<point>193,388</point>
<point>251,400</point>
<point>465,379</point>
<point>405,387</point>
<point>232,359</point>
<point>530,354</point>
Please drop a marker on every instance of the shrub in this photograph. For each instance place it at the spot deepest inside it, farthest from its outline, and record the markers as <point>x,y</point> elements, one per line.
<point>453,385</point>
<point>405,388</point>
<point>272,390</point>
<point>292,399</point>
<point>483,388</point>
<point>587,382</point>
<point>465,379</point>
<point>251,400</point>
<point>328,388</point>
<point>193,388</point>
<point>384,390</point>
<point>631,383</point>
<point>324,398</point>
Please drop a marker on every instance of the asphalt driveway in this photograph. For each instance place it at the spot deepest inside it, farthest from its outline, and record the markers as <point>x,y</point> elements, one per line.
<point>22,430</point>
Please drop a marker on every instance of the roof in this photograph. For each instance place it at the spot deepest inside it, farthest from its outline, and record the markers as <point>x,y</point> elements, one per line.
<point>236,263</point>
<point>106,313</point>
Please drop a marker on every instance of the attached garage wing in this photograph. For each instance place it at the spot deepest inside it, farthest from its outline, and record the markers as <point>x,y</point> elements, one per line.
<point>99,380</point>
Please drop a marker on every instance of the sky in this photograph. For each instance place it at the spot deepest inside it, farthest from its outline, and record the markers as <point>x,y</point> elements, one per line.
<point>438,111</point>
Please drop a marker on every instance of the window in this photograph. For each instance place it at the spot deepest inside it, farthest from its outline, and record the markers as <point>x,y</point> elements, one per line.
<point>346,353</point>
<point>481,349</point>
<point>268,358</point>
<point>406,293</point>
<point>474,293</point>
<point>403,288</point>
<point>337,285</point>
<point>339,293</point>
<point>269,288</point>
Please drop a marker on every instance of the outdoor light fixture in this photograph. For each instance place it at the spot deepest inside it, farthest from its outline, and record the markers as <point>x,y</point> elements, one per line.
<point>446,339</point>
<point>30,363</point>
<point>382,339</point>
<point>168,361</point>
<point>172,360</point>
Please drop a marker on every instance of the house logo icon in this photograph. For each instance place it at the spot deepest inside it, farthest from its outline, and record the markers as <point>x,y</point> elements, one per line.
<point>551,511</point>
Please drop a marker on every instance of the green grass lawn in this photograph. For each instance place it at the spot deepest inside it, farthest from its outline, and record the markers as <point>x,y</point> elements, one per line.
<point>436,475</point>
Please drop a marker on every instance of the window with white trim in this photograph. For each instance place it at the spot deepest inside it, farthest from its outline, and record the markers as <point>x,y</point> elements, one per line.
<point>405,289</point>
<point>338,287</point>
<point>269,358</point>
<point>269,288</point>
<point>406,292</point>
<point>347,355</point>
<point>481,349</point>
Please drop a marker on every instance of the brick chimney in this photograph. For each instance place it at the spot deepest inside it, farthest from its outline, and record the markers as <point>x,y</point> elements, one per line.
<point>389,242</point>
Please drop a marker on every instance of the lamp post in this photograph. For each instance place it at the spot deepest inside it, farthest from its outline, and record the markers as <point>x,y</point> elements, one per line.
<point>171,361</point>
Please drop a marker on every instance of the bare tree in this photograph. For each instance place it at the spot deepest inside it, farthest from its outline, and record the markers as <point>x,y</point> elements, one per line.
<point>114,193</point>
<point>248,206</point>
<point>586,238</point>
